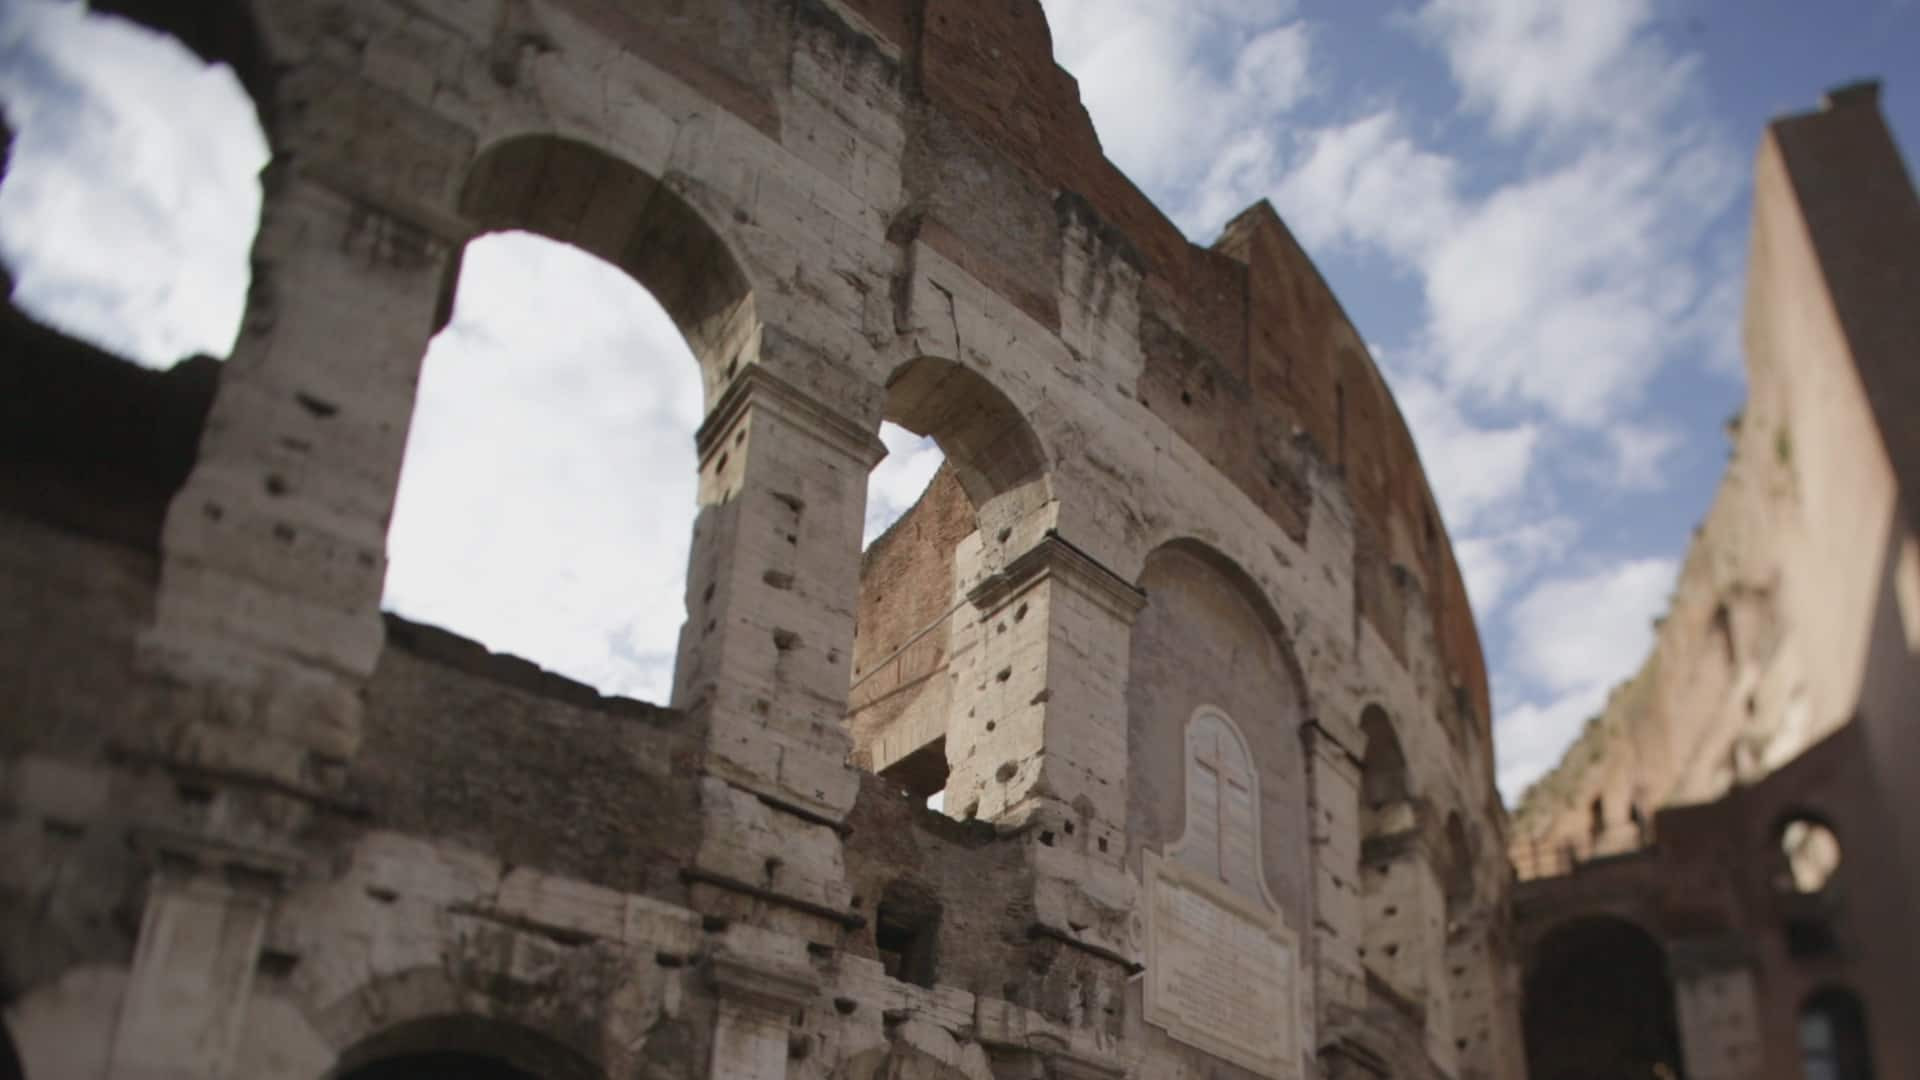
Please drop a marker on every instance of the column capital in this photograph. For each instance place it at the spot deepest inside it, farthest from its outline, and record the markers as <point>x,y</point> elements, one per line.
<point>192,856</point>
<point>1336,739</point>
<point>755,387</point>
<point>1056,558</point>
<point>343,181</point>
<point>772,989</point>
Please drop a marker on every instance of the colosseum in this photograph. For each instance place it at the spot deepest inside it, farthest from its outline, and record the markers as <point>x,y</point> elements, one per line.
<point>1177,630</point>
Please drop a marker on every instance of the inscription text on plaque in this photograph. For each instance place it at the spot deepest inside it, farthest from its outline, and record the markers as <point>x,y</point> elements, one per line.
<point>1221,974</point>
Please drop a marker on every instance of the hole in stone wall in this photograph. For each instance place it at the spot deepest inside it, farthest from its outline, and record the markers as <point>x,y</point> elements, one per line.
<point>921,774</point>
<point>1833,1037</point>
<point>906,925</point>
<point>132,192</point>
<point>547,498</point>
<point>1811,851</point>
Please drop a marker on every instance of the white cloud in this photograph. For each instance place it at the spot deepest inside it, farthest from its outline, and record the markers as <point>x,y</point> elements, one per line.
<point>1367,182</point>
<point>1532,737</point>
<point>1573,640</point>
<point>1640,455</point>
<point>1562,290</point>
<point>132,195</point>
<point>1492,563</point>
<point>1171,87</point>
<point>1573,632</point>
<point>899,480</point>
<point>1472,468</point>
<point>547,499</point>
<point>1547,64</point>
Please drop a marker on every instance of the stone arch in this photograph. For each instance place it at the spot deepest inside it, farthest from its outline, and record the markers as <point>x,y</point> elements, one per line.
<point>916,578</point>
<point>992,448</point>
<point>1386,784</point>
<point>1207,642</point>
<point>425,1011</point>
<point>463,1045</point>
<point>1403,891</point>
<point>1598,1003</point>
<point>1834,1042</point>
<point>576,193</point>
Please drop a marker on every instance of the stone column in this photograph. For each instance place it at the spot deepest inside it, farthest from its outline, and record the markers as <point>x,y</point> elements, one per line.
<point>772,591</point>
<point>752,1031</point>
<point>273,555</point>
<point>1405,938</point>
<point>1039,703</point>
<point>267,615</point>
<point>1333,779</point>
<point>1717,1001</point>
<point>193,966</point>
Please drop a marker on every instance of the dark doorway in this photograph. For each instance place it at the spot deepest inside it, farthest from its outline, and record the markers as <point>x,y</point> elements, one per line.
<point>440,1067</point>
<point>1833,1037</point>
<point>9,1060</point>
<point>1599,1005</point>
<point>463,1047</point>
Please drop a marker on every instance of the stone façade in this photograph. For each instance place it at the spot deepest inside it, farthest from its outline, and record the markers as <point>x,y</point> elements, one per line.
<point>255,828</point>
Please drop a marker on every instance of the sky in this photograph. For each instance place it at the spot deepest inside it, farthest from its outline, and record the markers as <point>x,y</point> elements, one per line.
<point>1535,211</point>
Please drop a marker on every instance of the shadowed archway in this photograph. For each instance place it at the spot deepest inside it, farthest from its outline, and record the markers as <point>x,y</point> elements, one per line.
<point>1599,1004</point>
<point>463,1048</point>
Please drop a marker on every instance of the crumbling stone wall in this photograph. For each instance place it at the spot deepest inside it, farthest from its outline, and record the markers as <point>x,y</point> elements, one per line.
<point>317,838</point>
<point>1782,677</point>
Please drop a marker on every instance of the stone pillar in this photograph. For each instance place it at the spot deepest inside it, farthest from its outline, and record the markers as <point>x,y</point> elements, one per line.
<point>273,556</point>
<point>752,1031</point>
<point>1405,940</point>
<point>1717,1001</point>
<point>193,965</point>
<point>772,592</point>
<point>267,615</point>
<point>1039,701</point>
<point>1333,779</point>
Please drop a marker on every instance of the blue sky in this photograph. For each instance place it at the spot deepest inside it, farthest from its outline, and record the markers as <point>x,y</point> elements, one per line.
<point>1535,212</point>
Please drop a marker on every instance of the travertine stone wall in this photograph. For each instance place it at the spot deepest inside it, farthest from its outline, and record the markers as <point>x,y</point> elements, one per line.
<point>305,836</point>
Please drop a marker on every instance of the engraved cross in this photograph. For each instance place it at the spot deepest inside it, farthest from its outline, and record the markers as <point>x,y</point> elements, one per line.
<point>1211,755</point>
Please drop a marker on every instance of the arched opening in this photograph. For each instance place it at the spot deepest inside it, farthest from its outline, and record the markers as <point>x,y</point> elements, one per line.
<point>463,1048</point>
<point>132,193</point>
<point>1809,855</point>
<point>987,471</point>
<point>1403,905</point>
<point>1386,796</point>
<point>1458,871</point>
<point>579,195</point>
<point>1216,775</point>
<point>1598,1005</point>
<point>549,490</point>
<point>1833,1037</point>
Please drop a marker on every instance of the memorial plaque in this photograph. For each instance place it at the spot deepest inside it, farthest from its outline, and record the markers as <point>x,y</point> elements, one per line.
<point>1221,971</point>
